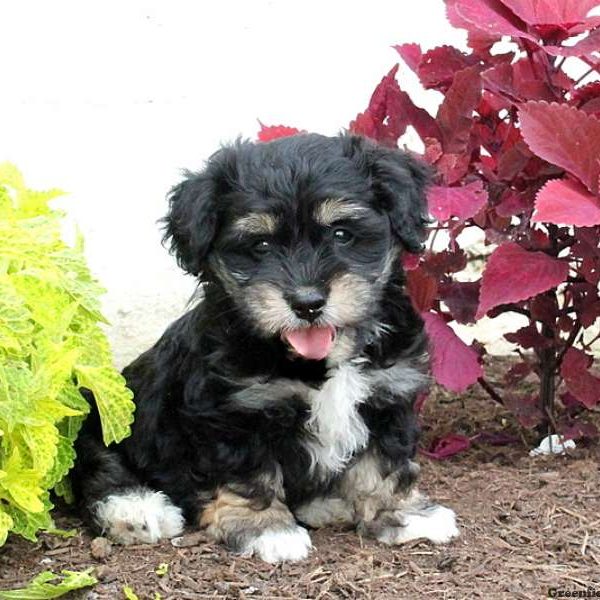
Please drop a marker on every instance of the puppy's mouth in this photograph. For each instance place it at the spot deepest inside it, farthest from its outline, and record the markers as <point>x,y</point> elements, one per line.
<point>312,343</point>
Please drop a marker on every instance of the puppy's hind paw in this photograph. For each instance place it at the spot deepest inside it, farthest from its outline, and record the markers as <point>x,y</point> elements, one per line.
<point>138,516</point>
<point>274,546</point>
<point>435,523</point>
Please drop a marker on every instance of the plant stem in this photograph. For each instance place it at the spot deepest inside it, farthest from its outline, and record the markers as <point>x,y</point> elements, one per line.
<point>547,358</point>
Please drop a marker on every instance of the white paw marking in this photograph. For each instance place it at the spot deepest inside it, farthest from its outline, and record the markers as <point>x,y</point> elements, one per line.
<point>139,516</point>
<point>437,524</point>
<point>274,546</point>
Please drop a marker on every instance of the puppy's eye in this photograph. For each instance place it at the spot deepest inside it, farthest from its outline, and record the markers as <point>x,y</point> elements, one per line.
<point>262,247</point>
<point>342,236</point>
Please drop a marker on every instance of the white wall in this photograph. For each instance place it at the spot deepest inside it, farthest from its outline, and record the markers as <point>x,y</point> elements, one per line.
<point>109,100</point>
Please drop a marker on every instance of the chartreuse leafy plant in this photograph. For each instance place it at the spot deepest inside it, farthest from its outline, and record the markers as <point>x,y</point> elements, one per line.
<point>515,145</point>
<point>51,344</point>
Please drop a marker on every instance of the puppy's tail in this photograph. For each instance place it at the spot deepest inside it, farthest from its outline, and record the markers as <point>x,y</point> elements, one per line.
<point>114,500</point>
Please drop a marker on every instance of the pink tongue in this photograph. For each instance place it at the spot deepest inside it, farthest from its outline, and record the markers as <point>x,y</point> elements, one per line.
<point>313,343</point>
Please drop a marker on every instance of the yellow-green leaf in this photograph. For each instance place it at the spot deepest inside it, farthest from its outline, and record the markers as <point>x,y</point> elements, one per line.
<point>49,585</point>
<point>113,399</point>
<point>5,525</point>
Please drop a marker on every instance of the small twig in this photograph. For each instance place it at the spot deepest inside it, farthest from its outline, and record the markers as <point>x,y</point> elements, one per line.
<point>490,390</point>
<point>550,416</point>
<point>433,237</point>
<point>588,345</point>
<point>568,343</point>
<point>585,543</point>
<point>588,72</point>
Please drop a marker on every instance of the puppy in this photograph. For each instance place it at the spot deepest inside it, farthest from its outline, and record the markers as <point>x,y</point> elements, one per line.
<point>285,398</point>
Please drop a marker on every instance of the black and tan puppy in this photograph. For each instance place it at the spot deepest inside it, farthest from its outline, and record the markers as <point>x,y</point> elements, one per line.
<point>285,397</point>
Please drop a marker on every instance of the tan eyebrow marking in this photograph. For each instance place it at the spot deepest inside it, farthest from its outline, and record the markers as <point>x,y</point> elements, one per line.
<point>336,209</point>
<point>256,223</point>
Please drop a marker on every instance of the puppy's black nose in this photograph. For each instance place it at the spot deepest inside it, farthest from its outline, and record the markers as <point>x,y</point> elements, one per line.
<point>307,303</point>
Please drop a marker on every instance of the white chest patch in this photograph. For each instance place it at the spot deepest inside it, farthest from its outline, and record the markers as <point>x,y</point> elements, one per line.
<point>337,428</point>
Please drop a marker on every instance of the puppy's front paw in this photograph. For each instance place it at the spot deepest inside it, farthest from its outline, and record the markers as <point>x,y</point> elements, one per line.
<point>139,516</point>
<point>274,546</point>
<point>435,523</point>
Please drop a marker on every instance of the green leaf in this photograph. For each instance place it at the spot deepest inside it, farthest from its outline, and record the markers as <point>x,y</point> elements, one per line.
<point>113,399</point>
<point>11,177</point>
<point>42,442</point>
<point>27,524</point>
<point>15,317</point>
<point>6,524</point>
<point>129,593</point>
<point>21,484</point>
<point>162,569</point>
<point>63,462</point>
<point>49,585</point>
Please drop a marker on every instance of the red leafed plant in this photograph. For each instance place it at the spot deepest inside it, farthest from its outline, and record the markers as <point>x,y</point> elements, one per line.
<point>515,145</point>
<point>516,149</point>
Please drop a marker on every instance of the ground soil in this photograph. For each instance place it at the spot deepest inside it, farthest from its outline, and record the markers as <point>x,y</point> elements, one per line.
<point>528,525</point>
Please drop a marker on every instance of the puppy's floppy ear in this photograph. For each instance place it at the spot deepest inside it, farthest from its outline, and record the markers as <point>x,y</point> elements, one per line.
<point>191,223</point>
<point>399,181</point>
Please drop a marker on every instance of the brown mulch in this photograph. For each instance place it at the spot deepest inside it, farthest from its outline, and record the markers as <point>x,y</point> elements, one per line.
<point>527,525</point>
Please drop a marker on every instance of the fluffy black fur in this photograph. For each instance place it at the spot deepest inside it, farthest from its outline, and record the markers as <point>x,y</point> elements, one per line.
<point>197,430</point>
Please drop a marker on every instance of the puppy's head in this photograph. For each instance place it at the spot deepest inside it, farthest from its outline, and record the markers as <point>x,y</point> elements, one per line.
<point>302,233</point>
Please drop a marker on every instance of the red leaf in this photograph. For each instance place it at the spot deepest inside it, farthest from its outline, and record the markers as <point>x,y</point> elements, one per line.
<point>461,298</point>
<point>590,314</point>
<point>454,364</point>
<point>453,167</point>
<point>273,132</point>
<point>583,95</point>
<point>544,308</point>
<point>590,269</point>
<point>411,54</point>
<point>390,111</point>
<point>410,261</point>
<point>513,274</point>
<point>448,446</point>
<point>455,115</point>
<point>569,401</point>
<point>517,373</point>
<point>525,408</point>
<point>378,122</point>
<point>439,65</point>
<point>565,202</point>
<point>422,289</point>
<point>587,248</point>
<point>585,47</point>
<point>480,42</point>
<point>462,202</point>
<point>446,261</point>
<point>495,438</point>
<point>489,16</point>
<point>551,12</point>
<point>578,429</point>
<point>586,301</point>
<point>517,82</point>
<point>580,382</point>
<point>433,150</point>
<point>528,337</point>
<point>564,136</point>
<point>513,203</point>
